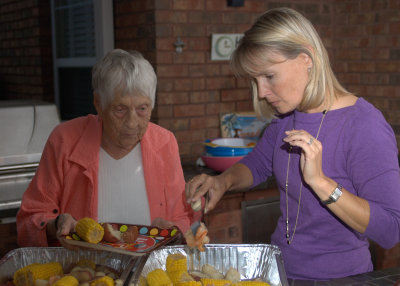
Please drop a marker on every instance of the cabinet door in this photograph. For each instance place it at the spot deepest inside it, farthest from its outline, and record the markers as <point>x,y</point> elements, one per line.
<point>259,219</point>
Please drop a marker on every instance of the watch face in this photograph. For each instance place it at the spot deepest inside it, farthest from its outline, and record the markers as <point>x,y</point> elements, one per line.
<point>224,46</point>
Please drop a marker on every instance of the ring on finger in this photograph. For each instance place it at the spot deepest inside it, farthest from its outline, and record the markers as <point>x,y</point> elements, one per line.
<point>311,140</point>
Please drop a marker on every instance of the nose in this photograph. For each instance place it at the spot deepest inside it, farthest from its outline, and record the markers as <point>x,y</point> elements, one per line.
<point>263,89</point>
<point>132,119</point>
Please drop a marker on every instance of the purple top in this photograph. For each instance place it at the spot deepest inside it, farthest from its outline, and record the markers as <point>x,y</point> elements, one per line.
<point>359,152</point>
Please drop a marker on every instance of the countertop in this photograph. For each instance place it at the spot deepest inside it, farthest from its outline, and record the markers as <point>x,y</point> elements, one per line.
<point>386,277</point>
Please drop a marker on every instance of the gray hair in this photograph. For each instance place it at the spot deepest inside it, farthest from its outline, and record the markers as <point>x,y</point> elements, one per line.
<point>123,71</point>
<point>287,32</point>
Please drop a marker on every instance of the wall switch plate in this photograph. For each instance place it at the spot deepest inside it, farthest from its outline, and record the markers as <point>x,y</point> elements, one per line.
<point>223,45</point>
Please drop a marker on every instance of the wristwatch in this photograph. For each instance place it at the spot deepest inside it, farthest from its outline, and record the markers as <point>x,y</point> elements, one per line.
<point>336,194</point>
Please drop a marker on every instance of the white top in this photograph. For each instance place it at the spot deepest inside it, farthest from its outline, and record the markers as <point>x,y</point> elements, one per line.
<point>122,189</point>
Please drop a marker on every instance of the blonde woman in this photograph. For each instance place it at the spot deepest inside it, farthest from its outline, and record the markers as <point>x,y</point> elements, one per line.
<point>333,155</point>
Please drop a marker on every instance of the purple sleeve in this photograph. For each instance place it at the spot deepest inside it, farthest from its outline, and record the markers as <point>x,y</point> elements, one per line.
<point>259,161</point>
<point>373,166</point>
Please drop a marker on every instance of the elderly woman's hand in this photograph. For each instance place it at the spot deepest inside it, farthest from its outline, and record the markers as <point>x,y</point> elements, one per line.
<point>59,227</point>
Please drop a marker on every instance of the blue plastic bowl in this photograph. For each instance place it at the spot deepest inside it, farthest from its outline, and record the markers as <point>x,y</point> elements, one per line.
<point>225,147</point>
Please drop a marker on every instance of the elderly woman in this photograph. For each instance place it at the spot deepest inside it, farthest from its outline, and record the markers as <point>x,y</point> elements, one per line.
<point>114,167</point>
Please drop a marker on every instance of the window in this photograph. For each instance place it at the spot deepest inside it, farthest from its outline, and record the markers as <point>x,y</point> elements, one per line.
<point>82,34</point>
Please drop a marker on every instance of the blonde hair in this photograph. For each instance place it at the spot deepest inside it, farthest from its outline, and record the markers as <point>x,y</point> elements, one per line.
<point>287,32</point>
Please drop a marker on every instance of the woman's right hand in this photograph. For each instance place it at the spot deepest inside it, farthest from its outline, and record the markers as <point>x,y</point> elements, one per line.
<point>65,225</point>
<point>200,185</point>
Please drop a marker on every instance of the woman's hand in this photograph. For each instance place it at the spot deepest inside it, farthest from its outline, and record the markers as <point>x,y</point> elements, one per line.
<point>202,184</point>
<point>311,154</point>
<point>65,225</point>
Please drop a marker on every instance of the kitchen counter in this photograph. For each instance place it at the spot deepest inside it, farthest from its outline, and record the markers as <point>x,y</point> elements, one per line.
<point>387,277</point>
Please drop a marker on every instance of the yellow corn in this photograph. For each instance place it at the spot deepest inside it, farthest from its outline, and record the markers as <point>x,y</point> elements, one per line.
<point>176,262</point>
<point>251,283</point>
<point>30,273</point>
<point>86,263</point>
<point>103,281</point>
<point>214,282</point>
<point>179,276</point>
<point>158,277</point>
<point>189,283</point>
<point>89,230</point>
<point>67,280</point>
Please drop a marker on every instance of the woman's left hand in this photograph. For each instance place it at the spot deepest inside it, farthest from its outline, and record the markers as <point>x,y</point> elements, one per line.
<point>311,154</point>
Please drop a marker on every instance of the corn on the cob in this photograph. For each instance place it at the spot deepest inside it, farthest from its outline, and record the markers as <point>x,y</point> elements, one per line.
<point>179,276</point>
<point>86,263</point>
<point>251,283</point>
<point>67,280</point>
<point>176,262</point>
<point>189,283</point>
<point>158,277</point>
<point>89,230</point>
<point>103,281</point>
<point>30,273</point>
<point>214,282</point>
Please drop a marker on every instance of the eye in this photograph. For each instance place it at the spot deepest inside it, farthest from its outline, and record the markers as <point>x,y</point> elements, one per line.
<point>269,76</point>
<point>142,109</point>
<point>119,109</point>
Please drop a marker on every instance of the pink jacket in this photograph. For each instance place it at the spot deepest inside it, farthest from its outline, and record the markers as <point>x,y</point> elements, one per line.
<point>66,179</point>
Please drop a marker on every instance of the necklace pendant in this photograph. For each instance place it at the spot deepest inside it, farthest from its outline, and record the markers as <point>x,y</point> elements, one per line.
<point>287,236</point>
<point>288,241</point>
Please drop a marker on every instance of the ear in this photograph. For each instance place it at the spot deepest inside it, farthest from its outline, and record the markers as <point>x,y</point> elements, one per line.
<point>306,59</point>
<point>97,102</point>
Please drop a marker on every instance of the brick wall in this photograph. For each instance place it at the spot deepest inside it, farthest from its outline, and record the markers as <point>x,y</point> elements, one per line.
<point>193,90</point>
<point>25,50</point>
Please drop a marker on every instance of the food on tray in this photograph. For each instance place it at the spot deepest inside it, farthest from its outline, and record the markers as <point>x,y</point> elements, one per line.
<point>89,230</point>
<point>196,206</point>
<point>83,273</point>
<point>232,275</point>
<point>158,277</point>
<point>113,233</point>
<point>177,274</point>
<point>214,282</point>
<point>35,271</point>
<point>199,239</point>
<point>67,280</point>
<point>176,262</point>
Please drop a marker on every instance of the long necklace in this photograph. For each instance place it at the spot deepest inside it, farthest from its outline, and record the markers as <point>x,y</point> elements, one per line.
<point>289,238</point>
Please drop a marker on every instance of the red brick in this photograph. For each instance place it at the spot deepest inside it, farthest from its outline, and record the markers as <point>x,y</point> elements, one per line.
<point>204,17</point>
<point>218,108</point>
<point>188,84</point>
<point>172,98</point>
<point>189,57</point>
<point>164,85</point>
<point>188,5</point>
<point>361,67</point>
<point>204,70</point>
<point>220,82</point>
<point>189,30</point>
<point>171,16</point>
<point>189,110</point>
<point>204,123</point>
<point>234,95</point>
<point>204,96</point>
<point>190,136</point>
<point>172,70</point>
<point>389,66</point>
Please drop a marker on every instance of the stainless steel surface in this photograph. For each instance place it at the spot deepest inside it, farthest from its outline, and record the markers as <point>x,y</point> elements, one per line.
<point>24,129</point>
<point>21,257</point>
<point>251,260</point>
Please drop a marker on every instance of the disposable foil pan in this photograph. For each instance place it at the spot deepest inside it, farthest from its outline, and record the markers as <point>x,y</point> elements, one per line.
<point>21,257</point>
<point>251,260</point>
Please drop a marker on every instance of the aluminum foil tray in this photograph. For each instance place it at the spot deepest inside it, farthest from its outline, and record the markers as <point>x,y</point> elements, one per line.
<point>251,260</point>
<point>21,257</point>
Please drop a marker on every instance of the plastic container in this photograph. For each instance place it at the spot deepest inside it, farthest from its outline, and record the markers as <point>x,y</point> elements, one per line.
<point>218,163</point>
<point>225,147</point>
